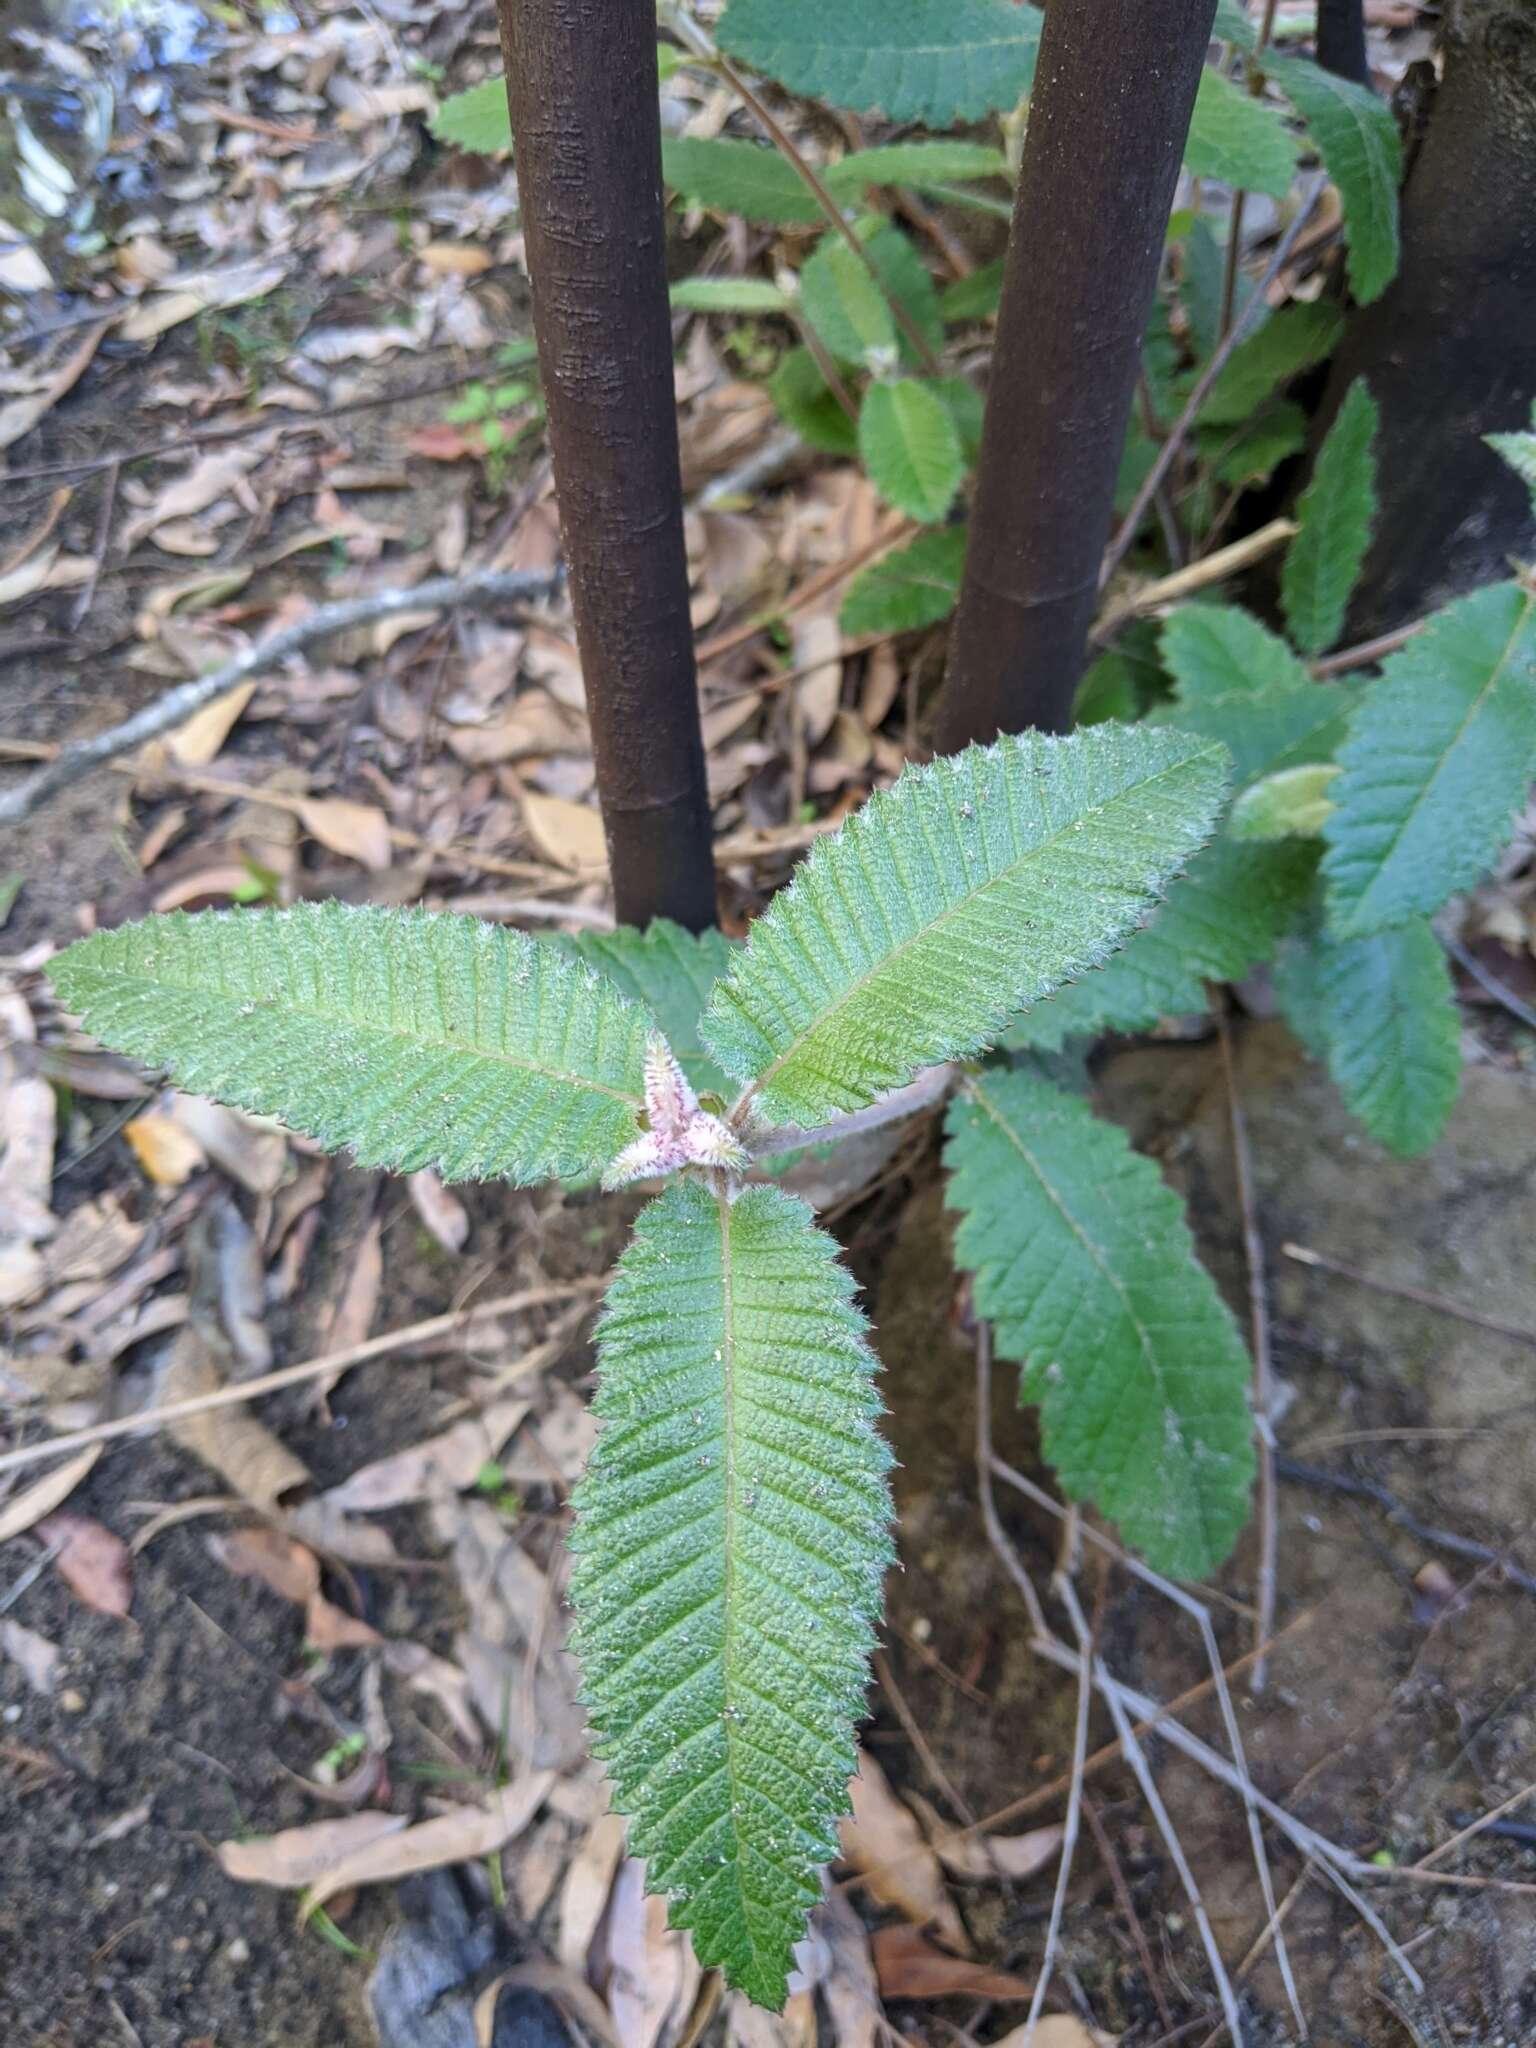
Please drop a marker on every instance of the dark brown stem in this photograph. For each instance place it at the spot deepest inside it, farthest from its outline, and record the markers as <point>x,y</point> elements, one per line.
<point>581,85</point>
<point>1341,39</point>
<point>1114,90</point>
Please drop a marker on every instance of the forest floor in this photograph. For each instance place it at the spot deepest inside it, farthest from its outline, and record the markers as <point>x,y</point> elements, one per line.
<point>241,1654</point>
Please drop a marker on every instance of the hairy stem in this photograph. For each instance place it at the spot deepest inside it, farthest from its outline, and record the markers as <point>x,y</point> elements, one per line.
<point>1114,91</point>
<point>581,86</point>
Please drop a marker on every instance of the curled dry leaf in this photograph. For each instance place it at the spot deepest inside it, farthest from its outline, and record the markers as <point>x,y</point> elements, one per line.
<point>92,1562</point>
<point>443,1214</point>
<point>210,478</point>
<point>455,1460</point>
<point>39,1660</point>
<point>444,1682</point>
<point>303,1856</point>
<point>845,1972</point>
<point>166,1150</point>
<point>584,1894</point>
<point>909,1965</point>
<point>984,1858</point>
<point>570,835</point>
<point>231,1442</point>
<point>1058,2030</point>
<point>568,1989</point>
<point>653,1975</point>
<point>28,1507</point>
<point>250,1151</point>
<point>463,1836</point>
<point>884,1843</point>
<point>293,1572</point>
<point>197,742</point>
<point>748,2026</point>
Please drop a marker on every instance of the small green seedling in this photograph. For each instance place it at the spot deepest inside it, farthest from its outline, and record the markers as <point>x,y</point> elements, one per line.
<point>733,1529</point>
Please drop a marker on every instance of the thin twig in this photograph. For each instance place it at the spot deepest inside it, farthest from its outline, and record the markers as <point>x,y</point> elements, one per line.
<point>1305,1256</point>
<point>1213,369</point>
<point>1215,567</point>
<point>99,551</point>
<point>481,586</point>
<point>1366,653</point>
<point>241,1391</point>
<point>1258,1309</point>
<point>1070,1825</point>
<point>1127,1905</point>
<point>1476,1827</point>
<point>1489,982</point>
<point>1438,1539</point>
<point>923,1748</point>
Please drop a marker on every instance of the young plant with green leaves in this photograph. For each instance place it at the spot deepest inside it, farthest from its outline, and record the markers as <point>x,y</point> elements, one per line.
<point>733,1528</point>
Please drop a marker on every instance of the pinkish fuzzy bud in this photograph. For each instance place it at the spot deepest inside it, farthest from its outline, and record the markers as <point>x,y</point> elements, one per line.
<point>669,1101</point>
<point>709,1142</point>
<point>651,1155</point>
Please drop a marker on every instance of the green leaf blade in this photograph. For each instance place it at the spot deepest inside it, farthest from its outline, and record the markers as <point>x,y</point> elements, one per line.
<point>747,178</point>
<point>477,120</point>
<point>845,305</point>
<point>912,586</point>
<point>731,1538</point>
<point>1287,343</point>
<point>919,165</point>
<point>1085,1267</point>
<point>975,886</point>
<point>1381,1011</point>
<point>413,1039</point>
<point>669,973</point>
<point>910,445</point>
<point>1440,754</point>
<point>1237,139</point>
<point>1357,138</point>
<point>906,59</point>
<point>1334,519</point>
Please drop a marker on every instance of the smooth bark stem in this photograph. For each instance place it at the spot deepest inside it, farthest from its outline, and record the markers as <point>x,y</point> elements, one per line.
<point>581,85</point>
<point>1114,90</point>
<point>1341,39</point>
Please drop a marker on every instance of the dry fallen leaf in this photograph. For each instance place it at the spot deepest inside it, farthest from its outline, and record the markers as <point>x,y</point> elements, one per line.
<point>909,1965</point>
<point>845,1972</point>
<point>584,1895</point>
<point>294,1573</point>
<point>571,835</point>
<point>1058,2030</point>
<point>466,1835</point>
<point>40,1660</point>
<point>92,1562</point>
<point>454,1459</point>
<point>748,2026</point>
<point>253,1153</point>
<point>25,1509</point>
<point>883,1841</point>
<point>302,1856</point>
<point>984,1858</point>
<point>200,292</point>
<point>653,1974</point>
<point>210,478</point>
<point>425,1672</point>
<point>230,1441</point>
<point>454,259</point>
<point>359,832</point>
<point>443,1214</point>
<point>196,743</point>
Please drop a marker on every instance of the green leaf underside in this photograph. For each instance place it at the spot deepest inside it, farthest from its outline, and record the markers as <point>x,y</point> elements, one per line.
<point>415,1039</point>
<point>976,885</point>
<point>476,120</point>
<point>1222,918</point>
<point>1357,138</point>
<point>912,586</point>
<point>730,1542</point>
<point>1288,342</point>
<point>910,446</point>
<point>1085,1267</point>
<point>670,973</point>
<point>729,295</point>
<point>908,59</point>
<point>918,164</point>
<point>1237,139</point>
<point>1440,754</point>
<point>1381,1011</point>
<point>1293,803</point>
<point>1334,521</point>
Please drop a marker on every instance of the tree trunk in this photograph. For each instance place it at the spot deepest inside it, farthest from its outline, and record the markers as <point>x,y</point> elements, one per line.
<point>1450,350</point>
<point>581,84</point>
<point>1113,94</point>
<point>1341,39</point>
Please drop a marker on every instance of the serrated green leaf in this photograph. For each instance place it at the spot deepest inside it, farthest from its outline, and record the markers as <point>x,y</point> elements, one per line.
<point>1221,919</point>
<point>1219,650</point>
<point>1440,755</point>
<point>912,586</point>
<point>476,120</point>
<point>1289,341</point>
<point>975,297</point>
<point>730,295</point>
<point>1334,526</point>
<point>845,305</point>
<point>1085,1267</point>
<point>1254,452</point>
<point>1519,451</point>
<point>749,178</point>
<point>414,1039</point>
<point>1240,684</point>
<point>1235,138</point>
<point>1357,139</point>
<point>919,165</point>
<point>669,973</point>
<point>1381,1011</point>
<point>907,59</point>
<point>906,279</point>
<point>731,1537</point>
<point>1294,804</point>
<point>974,886</point>
<point>910,446</point>
<point>967,408</point>
<point>1232,25</point>
<point>806,402</point>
